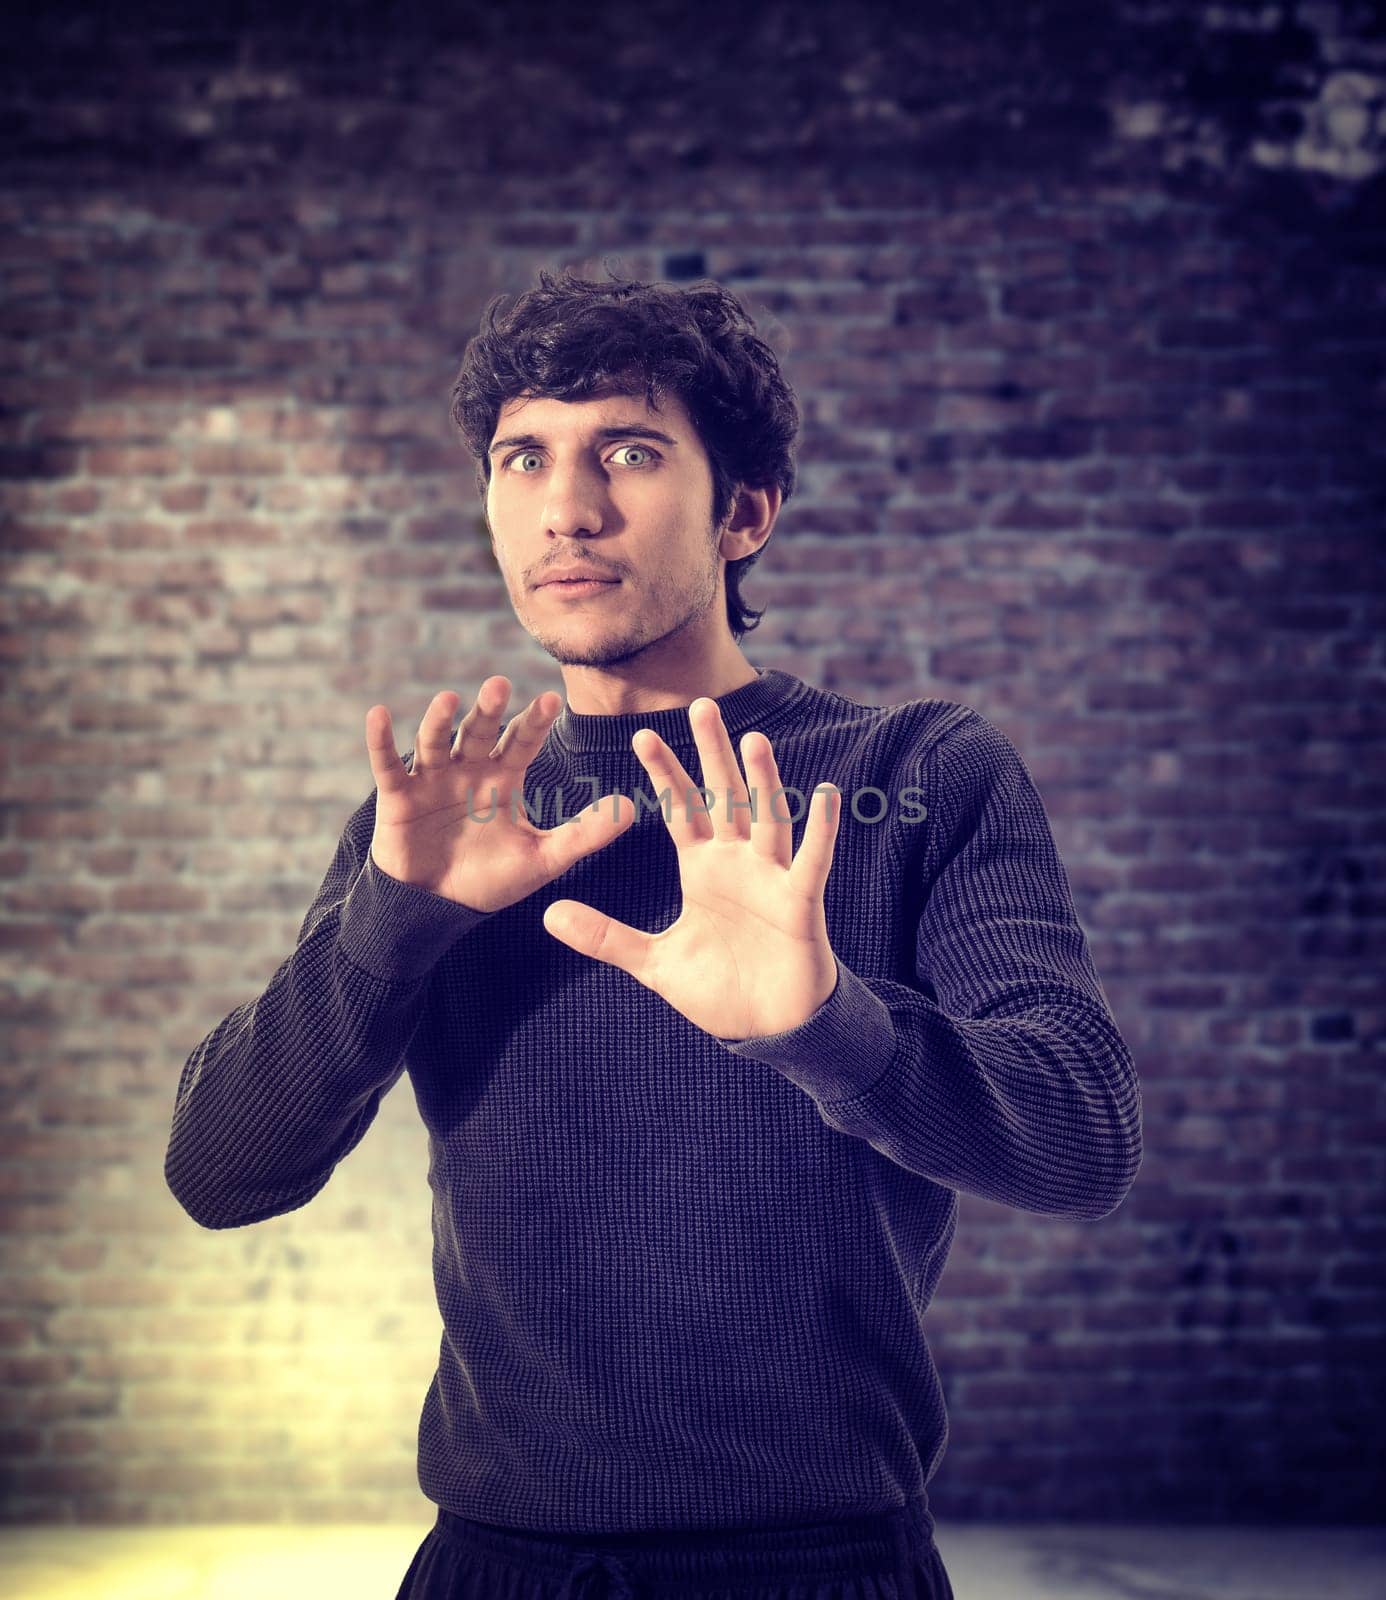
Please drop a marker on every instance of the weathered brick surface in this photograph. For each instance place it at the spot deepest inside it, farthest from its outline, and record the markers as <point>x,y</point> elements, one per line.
<point>1087,318</point>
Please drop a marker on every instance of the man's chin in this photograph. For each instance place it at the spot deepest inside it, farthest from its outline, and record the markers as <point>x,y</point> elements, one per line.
<point>566,656</point>
<point>590,652</point>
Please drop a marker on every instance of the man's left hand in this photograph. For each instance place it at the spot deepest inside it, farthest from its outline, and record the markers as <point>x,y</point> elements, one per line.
<point>749,954</point>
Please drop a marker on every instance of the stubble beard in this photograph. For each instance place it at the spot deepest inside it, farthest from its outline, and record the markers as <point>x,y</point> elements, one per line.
<point>628,638</point>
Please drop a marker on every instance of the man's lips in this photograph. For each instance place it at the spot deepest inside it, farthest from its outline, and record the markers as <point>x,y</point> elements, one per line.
<point>579,583</point>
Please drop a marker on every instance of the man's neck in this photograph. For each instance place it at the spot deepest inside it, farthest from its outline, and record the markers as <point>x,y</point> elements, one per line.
<point>593,692</point>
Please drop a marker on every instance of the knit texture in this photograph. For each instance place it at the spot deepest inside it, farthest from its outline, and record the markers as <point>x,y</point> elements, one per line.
<point>683,1280</point>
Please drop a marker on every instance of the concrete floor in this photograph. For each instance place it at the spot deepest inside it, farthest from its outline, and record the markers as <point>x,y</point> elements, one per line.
<point>1022,1562</point>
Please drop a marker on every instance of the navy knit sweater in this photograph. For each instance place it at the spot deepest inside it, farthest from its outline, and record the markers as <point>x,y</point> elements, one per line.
<point>683,1282</point>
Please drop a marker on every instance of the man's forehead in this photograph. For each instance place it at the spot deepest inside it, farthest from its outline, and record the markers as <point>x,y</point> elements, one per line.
<point>612,406</point>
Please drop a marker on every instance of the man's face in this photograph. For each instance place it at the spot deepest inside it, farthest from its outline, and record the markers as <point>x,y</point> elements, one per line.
<point>585,489</point>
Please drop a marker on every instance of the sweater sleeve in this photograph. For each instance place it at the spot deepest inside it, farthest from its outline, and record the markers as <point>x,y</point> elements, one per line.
<point>1000,1071</point>
<point>286,1085</point>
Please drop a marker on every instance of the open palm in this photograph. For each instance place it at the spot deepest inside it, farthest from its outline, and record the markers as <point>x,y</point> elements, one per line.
<point>749,954</point>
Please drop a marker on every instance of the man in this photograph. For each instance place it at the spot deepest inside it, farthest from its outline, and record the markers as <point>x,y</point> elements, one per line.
<point>706,1046</point>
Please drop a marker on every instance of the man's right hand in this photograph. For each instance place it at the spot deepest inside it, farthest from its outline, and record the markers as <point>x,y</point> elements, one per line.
<point>447,822</point>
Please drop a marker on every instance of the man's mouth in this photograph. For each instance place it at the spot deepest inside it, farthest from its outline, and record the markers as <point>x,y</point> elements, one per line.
<point>576,586</point>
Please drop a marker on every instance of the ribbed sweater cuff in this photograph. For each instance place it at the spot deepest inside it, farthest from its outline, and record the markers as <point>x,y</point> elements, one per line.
<point>838,1053</point>
<point>396,931</point>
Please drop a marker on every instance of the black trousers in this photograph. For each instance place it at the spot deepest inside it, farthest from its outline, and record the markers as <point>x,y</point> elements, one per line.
<point>887,1557</point>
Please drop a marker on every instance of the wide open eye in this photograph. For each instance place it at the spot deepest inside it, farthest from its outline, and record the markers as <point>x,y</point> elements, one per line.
<point>643,449</point>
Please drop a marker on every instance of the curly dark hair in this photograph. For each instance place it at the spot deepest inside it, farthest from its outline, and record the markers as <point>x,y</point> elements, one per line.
<point>575,339</point>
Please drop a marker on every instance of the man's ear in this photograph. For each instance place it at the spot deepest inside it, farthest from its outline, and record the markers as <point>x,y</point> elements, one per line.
<point>751,522</point>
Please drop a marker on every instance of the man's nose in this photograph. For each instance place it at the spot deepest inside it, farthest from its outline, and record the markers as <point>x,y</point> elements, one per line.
<point>575,502</point>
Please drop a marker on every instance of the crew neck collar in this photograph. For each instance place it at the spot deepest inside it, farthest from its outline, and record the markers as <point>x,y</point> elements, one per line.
<point>764,699</point>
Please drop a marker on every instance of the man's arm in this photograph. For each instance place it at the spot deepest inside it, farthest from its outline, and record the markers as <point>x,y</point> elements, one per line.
<point>1015,1084</point>
<point>286,1085</point>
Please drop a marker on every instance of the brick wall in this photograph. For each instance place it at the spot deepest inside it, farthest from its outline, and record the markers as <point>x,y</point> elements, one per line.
<point>1087,321</point>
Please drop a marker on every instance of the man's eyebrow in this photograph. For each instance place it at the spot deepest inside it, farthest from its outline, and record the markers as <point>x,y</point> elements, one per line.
<point>627,430</point>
